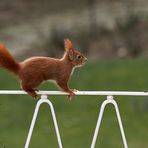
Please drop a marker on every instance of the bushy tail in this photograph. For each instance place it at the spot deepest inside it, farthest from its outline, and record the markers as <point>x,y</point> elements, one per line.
<point>7,61</point>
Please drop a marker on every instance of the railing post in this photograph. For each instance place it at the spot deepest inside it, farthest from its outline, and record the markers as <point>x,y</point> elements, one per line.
<point>107,101</point>
<point>43,100</point>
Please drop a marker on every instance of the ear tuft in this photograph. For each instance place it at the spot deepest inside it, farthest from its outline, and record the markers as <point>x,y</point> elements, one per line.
<point>71,54</point>
<point>67,44</point>
<point>2,45</point>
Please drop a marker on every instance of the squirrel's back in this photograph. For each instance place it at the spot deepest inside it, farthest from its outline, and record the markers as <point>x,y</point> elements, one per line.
<point>45,67</point>
<point>7,61</point>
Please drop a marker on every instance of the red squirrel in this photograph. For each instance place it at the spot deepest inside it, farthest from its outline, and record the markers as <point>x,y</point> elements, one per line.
<point>34,70</point>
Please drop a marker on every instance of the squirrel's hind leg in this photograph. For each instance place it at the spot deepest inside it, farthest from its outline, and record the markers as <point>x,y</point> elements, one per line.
<point>30,90</point>
<point>32,93</point>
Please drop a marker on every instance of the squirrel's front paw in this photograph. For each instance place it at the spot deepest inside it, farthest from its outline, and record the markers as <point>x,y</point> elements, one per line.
<point>71,94</point>
<point>74,90</point>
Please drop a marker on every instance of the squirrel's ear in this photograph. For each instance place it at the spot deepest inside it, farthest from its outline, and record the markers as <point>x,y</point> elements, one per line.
<point>2,46</point>
<point>67,44</point>
<point>71,54</point>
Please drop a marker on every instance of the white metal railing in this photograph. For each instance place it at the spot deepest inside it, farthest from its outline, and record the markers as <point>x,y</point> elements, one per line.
<point>92,93</point>
<point>44,100</point>
<point>108,100</point>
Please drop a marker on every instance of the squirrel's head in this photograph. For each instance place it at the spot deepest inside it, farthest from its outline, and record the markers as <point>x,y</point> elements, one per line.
<point>76,57</point>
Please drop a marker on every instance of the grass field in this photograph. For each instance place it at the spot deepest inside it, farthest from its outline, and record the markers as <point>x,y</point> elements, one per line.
<point>77,118</point>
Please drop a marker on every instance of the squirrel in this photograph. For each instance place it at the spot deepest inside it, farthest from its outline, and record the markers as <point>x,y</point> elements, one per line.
<point>34,70</point>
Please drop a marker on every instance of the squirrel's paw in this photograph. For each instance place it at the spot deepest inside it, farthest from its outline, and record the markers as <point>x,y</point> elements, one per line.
<point>71,94</point>
<point>74,90</point>
<point>35,89</point>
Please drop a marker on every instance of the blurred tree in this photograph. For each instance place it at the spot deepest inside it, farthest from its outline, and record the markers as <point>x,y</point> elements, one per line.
<point>92,14</point>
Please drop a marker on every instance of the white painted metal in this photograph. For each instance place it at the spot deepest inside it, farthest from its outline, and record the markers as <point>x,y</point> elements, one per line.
<point>43,100</point>
<point>107,101</point>
<point>103,93</point>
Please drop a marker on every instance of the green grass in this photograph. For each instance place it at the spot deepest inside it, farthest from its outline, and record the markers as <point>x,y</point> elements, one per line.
<point>77,119</point>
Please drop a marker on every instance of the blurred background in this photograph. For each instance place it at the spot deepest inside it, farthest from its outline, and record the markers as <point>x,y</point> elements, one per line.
<point>113,35</point>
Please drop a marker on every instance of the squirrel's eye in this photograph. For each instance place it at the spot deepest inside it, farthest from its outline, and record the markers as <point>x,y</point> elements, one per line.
<point>79,57</point>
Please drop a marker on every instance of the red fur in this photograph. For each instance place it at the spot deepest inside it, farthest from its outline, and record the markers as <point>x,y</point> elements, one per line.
<point>7,61</point>
<point>33,71</point>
